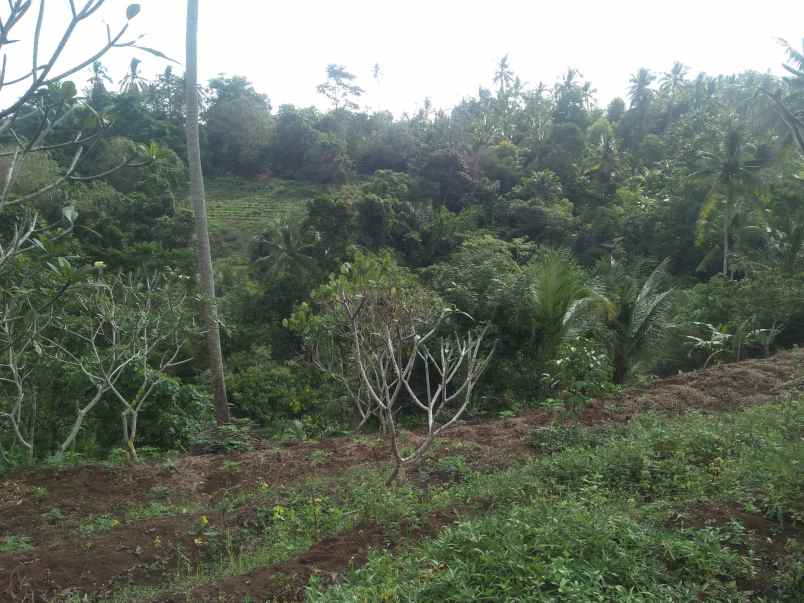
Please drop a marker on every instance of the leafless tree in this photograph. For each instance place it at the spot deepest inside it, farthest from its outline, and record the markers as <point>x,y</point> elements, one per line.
<point>390,340</point>
<point>123,327</point>
<point>21,327</point>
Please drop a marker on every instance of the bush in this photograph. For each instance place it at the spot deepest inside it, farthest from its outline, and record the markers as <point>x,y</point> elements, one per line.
<point>231,437</point>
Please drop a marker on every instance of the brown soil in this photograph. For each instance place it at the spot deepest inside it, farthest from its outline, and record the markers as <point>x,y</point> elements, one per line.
<point>48,506</point>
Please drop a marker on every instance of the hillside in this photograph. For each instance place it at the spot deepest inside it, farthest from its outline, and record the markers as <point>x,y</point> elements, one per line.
<point>240,209</point>
<point>692,478</point>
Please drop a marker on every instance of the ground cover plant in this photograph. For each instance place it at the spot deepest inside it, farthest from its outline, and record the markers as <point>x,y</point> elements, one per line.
<point>538,346</point>
<point>591,505</point>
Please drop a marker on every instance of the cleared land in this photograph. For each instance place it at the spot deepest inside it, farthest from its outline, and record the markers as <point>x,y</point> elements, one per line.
<point>690,488</point>
<point>240,210</point>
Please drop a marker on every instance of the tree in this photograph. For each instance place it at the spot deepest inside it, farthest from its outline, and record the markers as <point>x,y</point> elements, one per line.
<point>673,80</point>
<point>239,128</point>
<point>395,330</point>
<point>98,93</point>
<point>209,306</point>
<point>340,88</point>
<point>42,121</point>
<point>791,105</point>
<point>122,330</point>
<point>287,247</point>
<point>635,311</point>
<point>641,98</point>
<point>732,174</point>
<point>133,82</point>
<point>548,298</point>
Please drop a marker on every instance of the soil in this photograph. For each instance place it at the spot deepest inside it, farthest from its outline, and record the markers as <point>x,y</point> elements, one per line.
<point>50,506</point>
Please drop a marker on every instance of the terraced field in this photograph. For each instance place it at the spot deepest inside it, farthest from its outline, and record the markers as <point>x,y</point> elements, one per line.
<point>241,209</point>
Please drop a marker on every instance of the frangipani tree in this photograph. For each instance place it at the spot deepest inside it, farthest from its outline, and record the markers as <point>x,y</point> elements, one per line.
<point>401,350</point>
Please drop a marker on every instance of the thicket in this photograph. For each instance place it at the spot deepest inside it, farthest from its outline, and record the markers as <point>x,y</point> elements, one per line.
<point>593,246</point>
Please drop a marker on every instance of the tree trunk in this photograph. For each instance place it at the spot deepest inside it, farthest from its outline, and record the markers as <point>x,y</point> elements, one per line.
<point>726,228</point>
<point>209,307</point>
<point>620,368</point>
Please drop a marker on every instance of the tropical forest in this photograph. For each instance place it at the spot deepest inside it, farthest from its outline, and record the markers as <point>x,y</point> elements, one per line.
<point>541,345</point>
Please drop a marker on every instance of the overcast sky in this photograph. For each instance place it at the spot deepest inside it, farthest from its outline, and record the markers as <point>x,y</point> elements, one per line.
<point>445,49</point>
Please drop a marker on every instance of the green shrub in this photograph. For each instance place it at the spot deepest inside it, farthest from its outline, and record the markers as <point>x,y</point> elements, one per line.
<point>230,437</point>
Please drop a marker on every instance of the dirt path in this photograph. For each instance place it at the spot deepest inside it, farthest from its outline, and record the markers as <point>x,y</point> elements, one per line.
<point>53,508</point>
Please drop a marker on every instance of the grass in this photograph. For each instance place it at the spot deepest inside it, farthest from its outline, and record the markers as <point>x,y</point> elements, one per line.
<point>234,203</point>
<point>15,544</point>
<point>594,522</point>
<point>598,517</point>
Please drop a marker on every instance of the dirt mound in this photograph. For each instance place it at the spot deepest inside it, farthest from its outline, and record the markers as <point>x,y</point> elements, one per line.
<point>722,387</point>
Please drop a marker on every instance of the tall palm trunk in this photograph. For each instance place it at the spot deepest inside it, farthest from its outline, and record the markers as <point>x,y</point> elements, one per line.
<point>727,218</point>
<point>209,307</point>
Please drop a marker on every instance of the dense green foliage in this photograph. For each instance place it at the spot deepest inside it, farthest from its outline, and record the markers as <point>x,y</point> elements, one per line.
<point>601,245</point>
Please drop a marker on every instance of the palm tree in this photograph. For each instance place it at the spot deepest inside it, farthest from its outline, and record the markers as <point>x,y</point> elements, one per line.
<point>97,83</point>
<point>639,90</point>
<point>673,80</point>
<point>733,175</point>
<point>286,247</point>
<point>635,310</point>
<point>641,97</point>
<point>209,306</point>
<point>792,107</point>
<point>503,76</point>
<point>133,82</point>
<point>550,296</point>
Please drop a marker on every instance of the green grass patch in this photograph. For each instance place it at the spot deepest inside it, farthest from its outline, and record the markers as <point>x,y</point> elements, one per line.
<point>593,520</point>
<point>250,206</point>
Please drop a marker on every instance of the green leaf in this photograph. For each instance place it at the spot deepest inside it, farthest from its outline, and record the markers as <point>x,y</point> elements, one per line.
<point>68,90</point>
<point>156,53</point>
<point>132,11</point>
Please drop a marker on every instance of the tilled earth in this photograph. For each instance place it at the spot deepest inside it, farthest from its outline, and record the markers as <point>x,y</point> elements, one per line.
<point>53,507</point>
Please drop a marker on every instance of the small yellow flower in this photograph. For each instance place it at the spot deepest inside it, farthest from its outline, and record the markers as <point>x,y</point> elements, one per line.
<point>157,542</point>
<point>115,523</point>
<point>100,265</point>
<point>198,541</point>
<point>204,521</point>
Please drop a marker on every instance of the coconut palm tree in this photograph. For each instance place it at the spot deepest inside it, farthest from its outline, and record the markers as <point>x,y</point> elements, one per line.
<point>551,296</point>
<point>733,175</point>
<point>673,80</point>
<point>133,82</point>
<point>641,96</point>
<point>209,306</point>
<point>635,305</point>
<point>792,107</point>
<point>286,247</point>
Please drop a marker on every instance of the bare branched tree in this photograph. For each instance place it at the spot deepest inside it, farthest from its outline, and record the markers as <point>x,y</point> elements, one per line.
<point>21,328</point>
<point>125,328</point>
<point>390,340</point>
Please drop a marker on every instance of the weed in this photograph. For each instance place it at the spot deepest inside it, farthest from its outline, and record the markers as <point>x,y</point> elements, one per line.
<point>101,523</point>
<point>320,457</point>
<point>15,544</point>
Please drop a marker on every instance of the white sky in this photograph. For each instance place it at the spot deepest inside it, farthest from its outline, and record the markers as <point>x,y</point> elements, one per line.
<point>445,49</point>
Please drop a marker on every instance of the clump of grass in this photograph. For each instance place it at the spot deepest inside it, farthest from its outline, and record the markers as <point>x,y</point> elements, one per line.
<point>15,544</point>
